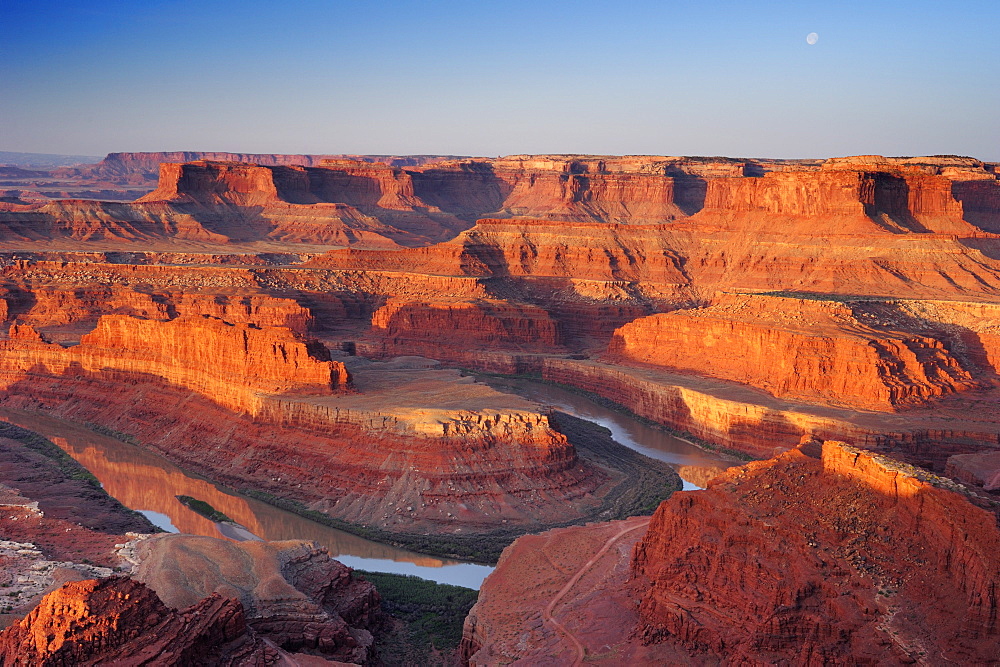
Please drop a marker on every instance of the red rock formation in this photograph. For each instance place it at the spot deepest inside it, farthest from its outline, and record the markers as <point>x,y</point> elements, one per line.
<point>981,469</point>
<point>814,351</point>
<point>232,364</point>
<point>841,199</point>
<point>751,421</point>
<point>885,563</point>
<point>564,597</point>
<point>410,451</point>
<point>451,330</point>
<point>45,306</point>
<point>850,559</point>
<point>292,592</point>
<point>121,621</point>
<point>139,168</point>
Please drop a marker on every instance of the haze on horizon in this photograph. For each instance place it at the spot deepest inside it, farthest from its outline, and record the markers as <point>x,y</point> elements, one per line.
<point>496,78</point>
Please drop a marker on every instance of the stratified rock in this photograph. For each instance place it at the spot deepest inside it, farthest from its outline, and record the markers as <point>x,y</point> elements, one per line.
<point>45,306</point>
<point>121,621</point>
<point>848,559</point>
<point>459,330</point>
<point>807,350</point>
<point>294,594</point>
<point>854,558</point>
<point>410,449</point>
<point>231,363</point>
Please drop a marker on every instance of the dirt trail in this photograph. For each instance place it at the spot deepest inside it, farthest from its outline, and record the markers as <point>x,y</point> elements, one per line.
<point>581,652</point>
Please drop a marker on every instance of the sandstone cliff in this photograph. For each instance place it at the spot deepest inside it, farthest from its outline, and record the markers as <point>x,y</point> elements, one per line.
<point>46,306</point>
<point>233,364</point>
<point>814,351</point>
<point>292,593</point>
<point>854,201</point>
<point>411,449</point>
<point>460,330</point>
<point>845,559</point>
<point>120,621</point>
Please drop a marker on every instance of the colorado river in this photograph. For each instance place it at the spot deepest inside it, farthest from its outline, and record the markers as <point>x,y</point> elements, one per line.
<point>148,483</point>
<point>695,465</point>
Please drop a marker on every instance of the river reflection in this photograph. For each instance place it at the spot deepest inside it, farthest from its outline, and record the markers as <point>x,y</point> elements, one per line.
<point>146,482</point>
<point>694,465</point>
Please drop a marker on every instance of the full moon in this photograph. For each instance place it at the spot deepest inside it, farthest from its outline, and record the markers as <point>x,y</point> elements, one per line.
<point>812,38</point>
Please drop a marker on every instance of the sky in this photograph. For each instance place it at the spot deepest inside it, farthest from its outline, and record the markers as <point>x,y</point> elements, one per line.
<point>488,78</point>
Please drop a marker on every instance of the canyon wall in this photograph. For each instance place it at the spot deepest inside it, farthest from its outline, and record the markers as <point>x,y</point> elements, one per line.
<point>233,364</point>
<point>336,201</point>
<point>814,351</point>
<point>826,554</point>
<point>456,330</point>
<point>117,620</point>
<point>54,306</point>
<point>450,453</point>
<point>886,563</point>
<point>749,421</point>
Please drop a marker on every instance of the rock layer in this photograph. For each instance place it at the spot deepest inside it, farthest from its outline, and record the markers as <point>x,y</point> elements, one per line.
<point>886,563</point>
<point>292,593</point>
<point>845,559</point>
<point>118,620</point>
<point>232,364</point>
<point>805,350</point>
<point>447,452</point>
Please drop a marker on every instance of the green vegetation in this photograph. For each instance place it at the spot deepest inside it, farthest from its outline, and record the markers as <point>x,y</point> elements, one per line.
<point>204,509</point>
<point>67,465</point>
<point>36,443</point>
<point>646,482</point>
<point>621,409</point>
<point>817,296</point>
<point>482,548</point>
<point>433,615</point>
<point>112,433</point>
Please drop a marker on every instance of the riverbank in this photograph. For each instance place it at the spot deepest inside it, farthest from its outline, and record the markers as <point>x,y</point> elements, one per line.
<point>640,483</point>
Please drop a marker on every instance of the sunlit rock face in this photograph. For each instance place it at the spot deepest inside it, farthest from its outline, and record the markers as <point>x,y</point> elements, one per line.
<point>824,554</point>
<point>848,557</point>
<point>815,351</point>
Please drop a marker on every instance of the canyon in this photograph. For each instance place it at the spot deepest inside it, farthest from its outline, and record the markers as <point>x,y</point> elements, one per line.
<point>321,330</point>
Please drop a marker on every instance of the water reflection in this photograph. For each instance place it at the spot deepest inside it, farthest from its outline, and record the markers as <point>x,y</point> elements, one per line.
<point>150,484</point>
<point>694,465</point>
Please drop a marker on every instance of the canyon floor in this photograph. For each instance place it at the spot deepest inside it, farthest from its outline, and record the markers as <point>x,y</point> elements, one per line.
<point>320,333</point>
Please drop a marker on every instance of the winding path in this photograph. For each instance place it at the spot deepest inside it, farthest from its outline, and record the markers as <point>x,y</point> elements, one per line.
<point>581,652</point>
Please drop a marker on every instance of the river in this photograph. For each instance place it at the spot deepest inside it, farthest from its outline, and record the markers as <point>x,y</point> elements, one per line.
<point>149,483</point>
<point>695,465</point>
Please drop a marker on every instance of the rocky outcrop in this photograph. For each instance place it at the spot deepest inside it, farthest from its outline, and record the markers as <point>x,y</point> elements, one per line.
<point>807,350</point>
<point>231,364</point>
<point>867,198</point>
<point>564,597</point>
<point>293,593</point>
<point>753,422</point>
<point>826,554</point>
<point>886,563</point>
<point>140,168</point>
<point>459,330</point>
<point>981,469</point>
<point>43,306</point>
<point>117,620</point>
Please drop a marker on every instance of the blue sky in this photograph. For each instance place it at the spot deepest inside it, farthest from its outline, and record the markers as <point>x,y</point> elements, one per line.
<point>491,78</point>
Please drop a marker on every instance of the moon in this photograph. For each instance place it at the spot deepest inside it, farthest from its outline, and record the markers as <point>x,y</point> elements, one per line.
<point>812,38</point>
